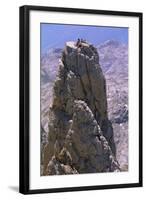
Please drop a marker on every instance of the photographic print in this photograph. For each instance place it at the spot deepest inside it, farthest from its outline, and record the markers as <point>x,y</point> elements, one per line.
<point>84,99</point>
<point>80,99</point>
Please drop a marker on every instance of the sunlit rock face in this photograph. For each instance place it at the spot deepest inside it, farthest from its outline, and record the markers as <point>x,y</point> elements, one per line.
<point>80,135</point>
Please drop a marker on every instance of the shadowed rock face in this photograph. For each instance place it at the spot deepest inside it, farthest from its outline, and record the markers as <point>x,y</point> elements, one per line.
<point>80,137</point>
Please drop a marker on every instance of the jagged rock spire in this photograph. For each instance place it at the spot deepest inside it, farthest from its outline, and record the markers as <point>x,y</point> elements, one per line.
<point>80,138</point>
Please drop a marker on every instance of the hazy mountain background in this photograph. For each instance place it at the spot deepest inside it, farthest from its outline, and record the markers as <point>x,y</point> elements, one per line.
<point>114,62</point>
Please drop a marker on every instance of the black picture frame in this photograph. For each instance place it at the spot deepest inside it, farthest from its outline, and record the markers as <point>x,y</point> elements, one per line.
<point>25,104</point>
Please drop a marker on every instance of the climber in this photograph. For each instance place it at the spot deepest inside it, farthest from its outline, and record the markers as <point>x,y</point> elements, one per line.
<point>78,42</point>
<point>83,41</point>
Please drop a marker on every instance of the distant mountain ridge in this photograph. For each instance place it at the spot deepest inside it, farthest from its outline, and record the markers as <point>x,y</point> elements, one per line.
<point>113,57</point>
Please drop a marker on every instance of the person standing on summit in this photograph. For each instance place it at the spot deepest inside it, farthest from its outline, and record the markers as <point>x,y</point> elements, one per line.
<point>78,42</point>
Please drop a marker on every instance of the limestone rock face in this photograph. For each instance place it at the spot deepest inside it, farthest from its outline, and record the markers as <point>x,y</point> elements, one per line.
<point>80,137</point>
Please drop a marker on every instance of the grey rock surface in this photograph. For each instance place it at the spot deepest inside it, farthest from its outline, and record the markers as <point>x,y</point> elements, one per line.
<point>80,135</point>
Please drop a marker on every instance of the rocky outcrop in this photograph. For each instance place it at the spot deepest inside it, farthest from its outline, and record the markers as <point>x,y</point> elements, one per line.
<point>80,137</point>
